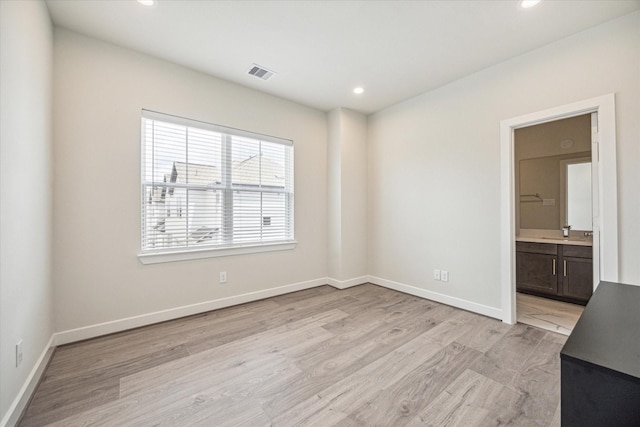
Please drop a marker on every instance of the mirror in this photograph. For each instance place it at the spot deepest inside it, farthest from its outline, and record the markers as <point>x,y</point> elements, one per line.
<point>555,191</point>
<point>553,175</point>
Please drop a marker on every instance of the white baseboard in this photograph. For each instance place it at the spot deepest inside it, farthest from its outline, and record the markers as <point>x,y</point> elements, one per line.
<point>22,399</point>
<point>344,284</point>
<point>65,337</point>
<point>438,297</point>
<point>92,331</point>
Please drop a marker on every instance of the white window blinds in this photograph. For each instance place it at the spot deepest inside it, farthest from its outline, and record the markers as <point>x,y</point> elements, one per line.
<point>208,186</point>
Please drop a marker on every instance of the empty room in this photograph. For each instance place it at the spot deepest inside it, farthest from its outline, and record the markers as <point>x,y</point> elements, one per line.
<point>371,213</point>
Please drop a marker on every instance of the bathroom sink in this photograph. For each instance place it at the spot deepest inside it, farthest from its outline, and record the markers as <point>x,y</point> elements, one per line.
<point>566,239</point>
<point>573,240</point>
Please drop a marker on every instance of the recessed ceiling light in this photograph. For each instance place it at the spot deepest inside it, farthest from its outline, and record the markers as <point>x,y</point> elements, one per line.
<point>529,3</point>
<point>358,90</point>
<point>147,2</point>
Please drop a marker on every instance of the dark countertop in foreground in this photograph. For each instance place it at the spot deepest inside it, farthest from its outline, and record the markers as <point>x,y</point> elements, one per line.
<point>608,333</point>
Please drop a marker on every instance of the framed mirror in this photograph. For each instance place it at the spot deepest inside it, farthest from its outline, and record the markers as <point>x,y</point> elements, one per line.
<point>554,191</point>
<point>552,165</point>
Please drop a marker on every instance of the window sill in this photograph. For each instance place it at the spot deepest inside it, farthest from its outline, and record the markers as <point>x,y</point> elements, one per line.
<point>160,257</point>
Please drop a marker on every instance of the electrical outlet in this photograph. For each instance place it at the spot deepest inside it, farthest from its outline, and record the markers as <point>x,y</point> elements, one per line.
<point>223,277</point>
<point>436,274</point>
<point>444,275</point>
<point>18,353</point>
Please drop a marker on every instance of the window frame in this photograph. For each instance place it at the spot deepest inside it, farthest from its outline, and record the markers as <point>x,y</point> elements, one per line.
<point>168,254</point>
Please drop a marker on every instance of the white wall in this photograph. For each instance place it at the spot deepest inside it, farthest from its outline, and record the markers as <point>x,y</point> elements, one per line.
<point>434,161</point>
<point>347,197</point>
<point>25,192</point>
<point>99,90</point>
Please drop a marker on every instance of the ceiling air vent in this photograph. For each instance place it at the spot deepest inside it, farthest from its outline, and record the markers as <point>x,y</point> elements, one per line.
<point>260,72</point>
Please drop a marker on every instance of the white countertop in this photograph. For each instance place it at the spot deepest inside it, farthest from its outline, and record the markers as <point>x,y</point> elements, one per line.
<point>556,240</point>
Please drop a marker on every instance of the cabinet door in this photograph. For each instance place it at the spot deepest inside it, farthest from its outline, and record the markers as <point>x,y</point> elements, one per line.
<point>578,278</point>
<point>536,272</point>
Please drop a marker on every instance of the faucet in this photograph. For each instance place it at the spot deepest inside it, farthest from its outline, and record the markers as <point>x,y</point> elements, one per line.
<point>565,230</point>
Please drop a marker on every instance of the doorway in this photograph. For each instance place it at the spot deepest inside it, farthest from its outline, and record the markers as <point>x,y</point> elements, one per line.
<point>605,230</point>
<point>553,192</point>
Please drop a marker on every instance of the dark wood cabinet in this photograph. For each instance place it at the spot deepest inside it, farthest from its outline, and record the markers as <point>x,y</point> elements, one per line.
<point>537,268</point>
<point>558,271</point>
<point>577,280</point>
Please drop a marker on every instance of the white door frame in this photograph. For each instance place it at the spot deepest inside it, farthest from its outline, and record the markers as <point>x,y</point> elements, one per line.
<point>606,218</point>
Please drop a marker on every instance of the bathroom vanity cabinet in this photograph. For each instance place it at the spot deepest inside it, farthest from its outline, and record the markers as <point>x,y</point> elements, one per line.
<point>556,271</point>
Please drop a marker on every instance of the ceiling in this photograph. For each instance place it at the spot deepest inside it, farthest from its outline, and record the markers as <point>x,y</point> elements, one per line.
<point>321,50</point>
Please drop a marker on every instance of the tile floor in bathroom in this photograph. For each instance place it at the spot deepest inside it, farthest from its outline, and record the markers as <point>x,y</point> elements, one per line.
<point>548,314</point>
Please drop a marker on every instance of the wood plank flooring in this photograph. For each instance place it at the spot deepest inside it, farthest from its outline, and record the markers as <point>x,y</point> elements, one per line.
<point>545,313</point>
<point>321,357</point>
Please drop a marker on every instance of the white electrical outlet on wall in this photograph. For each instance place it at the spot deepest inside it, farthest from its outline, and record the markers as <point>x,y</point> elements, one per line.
<point>223,277</point>
<point>444,275</point>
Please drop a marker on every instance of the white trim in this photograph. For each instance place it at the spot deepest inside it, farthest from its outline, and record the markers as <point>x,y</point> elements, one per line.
<point>28,388</point>
<point>87,332</point>
<point>507,225</point>
<point>158,257</point>
<point>608,215</point>
<point>92,331</point>
<point>438,297</point>
<point>344,284</point>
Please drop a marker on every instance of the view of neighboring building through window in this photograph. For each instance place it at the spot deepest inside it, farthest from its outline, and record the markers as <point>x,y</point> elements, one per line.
<point>205,185</point>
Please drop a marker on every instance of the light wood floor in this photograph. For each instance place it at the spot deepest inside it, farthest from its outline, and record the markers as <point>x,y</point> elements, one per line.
<point>360,356</point>
<point>545,313</point>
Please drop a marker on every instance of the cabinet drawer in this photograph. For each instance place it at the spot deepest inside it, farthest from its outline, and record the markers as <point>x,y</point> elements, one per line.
<point>577,251</point>
<point>537,248</point>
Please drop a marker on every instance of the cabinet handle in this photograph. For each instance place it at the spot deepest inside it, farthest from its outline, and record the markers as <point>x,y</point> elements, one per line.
<point>553,266</point>
<point>564,262</point>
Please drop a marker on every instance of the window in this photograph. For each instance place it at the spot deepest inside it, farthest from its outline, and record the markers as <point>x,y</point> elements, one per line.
<point>206,186</point>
